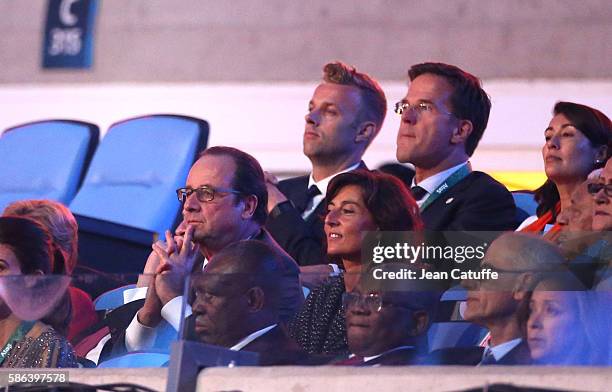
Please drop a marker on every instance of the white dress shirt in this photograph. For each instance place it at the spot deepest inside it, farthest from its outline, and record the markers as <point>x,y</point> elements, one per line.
<point>322,185</point>
<point>241,344</point>
<point>430,184</point>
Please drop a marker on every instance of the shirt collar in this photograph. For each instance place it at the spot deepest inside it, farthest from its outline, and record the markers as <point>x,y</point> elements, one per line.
<point>367,359</point>
<point>501,350</point>
<point>430,184</point>
<point>322,184</point>
<point>241,344</point>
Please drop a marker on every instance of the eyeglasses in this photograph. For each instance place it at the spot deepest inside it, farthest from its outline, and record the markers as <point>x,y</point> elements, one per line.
<point>418,108</point>
<point>595,188</point>
<point>204,193</point>
<point>372,302</point>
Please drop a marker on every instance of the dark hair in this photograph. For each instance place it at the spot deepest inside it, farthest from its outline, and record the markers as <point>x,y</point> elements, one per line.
<point>591,122</point>
<point>374,102</point>
<point>387,198</point>
<point>31,243</point>
<point>596,127</point>
<point>468,100</point>
<point>252,263</point>
<point>248,179</point>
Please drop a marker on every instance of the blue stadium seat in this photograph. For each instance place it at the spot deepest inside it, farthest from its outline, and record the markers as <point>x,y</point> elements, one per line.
<point>112,299</point>
<point>137,168</point>
<point>45,160</point>
<point>525,204</point>
<point>137,359</point>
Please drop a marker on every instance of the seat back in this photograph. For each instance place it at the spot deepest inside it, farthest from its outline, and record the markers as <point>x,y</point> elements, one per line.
<point>525,204</point>
<point>137,359</point>
<point>45,160</point>
<point>137,168</point>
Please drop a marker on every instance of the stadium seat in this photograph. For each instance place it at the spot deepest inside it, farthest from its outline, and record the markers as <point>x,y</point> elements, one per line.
<point>137,168</point>
<point>45,160</point>
<point>525,204</point>
<point>113,298</point>
<point>137,359</point>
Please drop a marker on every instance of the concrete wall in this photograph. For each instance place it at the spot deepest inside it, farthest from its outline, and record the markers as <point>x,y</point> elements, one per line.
<point>341,379</point>
<point>267,119</point>
<point>270,40</point>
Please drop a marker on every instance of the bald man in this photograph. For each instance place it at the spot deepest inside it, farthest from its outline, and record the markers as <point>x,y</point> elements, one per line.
<point>497,304</point>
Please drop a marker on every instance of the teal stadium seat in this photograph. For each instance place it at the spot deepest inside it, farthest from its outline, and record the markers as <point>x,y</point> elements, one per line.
<point>137,168</point>
<point>45,160</point>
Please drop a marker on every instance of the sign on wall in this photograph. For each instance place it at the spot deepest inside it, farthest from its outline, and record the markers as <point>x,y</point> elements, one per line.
<point>69,34</point>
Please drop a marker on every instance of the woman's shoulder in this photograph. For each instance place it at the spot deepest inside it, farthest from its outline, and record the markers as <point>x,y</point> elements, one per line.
<point>44,347</point>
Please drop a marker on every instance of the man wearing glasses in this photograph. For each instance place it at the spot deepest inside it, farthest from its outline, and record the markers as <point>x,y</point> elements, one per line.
<point>344,116</point>
<point>388,325</point>
<point>602,194</point>
<point>443,117</point>
<point>500,304</point>
<point>224,202</point>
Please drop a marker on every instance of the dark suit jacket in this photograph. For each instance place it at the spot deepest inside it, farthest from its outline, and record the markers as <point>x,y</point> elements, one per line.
<point>303,239</point>
<point>471,356</point>
<point>275,348</point>
<point>292,296</point>
<point>476,203</point>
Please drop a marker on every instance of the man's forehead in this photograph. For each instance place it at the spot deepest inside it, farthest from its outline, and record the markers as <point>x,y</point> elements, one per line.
<point>606,173</point>
<point>429,87</point>
<point>212,170</point>
<point>336,94</point>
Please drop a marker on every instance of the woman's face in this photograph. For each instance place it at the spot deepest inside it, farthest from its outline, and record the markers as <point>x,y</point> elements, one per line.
<point>347,218</point>
<point>568,154</point>
<point>553,325</point>
<point>9,264</point>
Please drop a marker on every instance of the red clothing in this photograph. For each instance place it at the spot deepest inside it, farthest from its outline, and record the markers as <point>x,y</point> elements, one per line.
<point>83,313</point>
<point>547,218</point>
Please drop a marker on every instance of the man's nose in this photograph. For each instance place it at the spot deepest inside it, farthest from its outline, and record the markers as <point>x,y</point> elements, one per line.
<point>313,118</point>
<point>191,203</point>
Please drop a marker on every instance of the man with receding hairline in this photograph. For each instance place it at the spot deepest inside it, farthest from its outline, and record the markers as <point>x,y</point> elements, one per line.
<point>498,304</point>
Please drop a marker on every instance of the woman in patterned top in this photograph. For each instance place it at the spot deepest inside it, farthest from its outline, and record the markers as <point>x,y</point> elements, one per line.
<point>26,254</point>
<point>359,201</point>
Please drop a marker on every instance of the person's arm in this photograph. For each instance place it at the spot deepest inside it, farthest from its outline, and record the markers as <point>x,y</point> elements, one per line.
<point>292,233</point>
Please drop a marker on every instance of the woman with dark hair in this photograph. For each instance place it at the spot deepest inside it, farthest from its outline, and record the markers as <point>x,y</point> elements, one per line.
<point>26,249</point>
<point>578,140</point>
<point>358,202</point>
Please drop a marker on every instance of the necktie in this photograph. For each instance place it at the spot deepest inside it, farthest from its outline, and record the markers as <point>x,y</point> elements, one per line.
<point>310,193</point>
<point>418,192</point>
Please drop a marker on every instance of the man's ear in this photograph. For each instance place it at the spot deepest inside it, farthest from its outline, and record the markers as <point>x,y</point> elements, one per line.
<point>524,283</point>
<point>250,205</point>
<point>365,132</point>
<point>420,322</point>
<point>462,132</point>
<point>256,299</point>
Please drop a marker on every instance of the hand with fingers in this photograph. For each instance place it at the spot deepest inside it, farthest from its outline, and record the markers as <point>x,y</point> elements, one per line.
<point>153,261</point>
<point>275,196</point>
<point>177,260</point>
